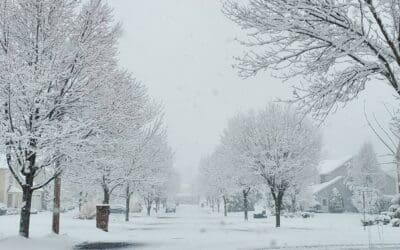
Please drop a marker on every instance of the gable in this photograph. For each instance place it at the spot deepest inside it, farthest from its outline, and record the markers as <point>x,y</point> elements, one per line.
<point>328,166</point>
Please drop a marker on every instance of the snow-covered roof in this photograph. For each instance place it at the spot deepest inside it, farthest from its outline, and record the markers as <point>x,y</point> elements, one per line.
<point>327,166</point>
<point>319,187</point>
<point>14,189</point>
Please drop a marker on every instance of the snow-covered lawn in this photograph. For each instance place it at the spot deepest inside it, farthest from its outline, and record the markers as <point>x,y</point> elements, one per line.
<point>196,228</point>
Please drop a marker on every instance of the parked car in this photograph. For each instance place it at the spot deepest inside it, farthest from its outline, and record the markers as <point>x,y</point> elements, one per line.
<point>117,209</point>
<point>261,215</point>
<point>12,211</point>
<point>314,209</point>
<point>71,207</point>
<point>3,209</point>
<point>34,211</point>
<point>307,214</point>
<point>170,209</point>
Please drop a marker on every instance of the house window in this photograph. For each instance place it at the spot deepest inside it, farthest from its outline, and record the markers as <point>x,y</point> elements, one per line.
<point>9,200</point>
<point>324,202</point>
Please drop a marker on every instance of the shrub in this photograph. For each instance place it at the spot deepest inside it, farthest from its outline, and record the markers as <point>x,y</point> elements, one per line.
<point>384,219</point>
<point>368,221</point>
<point>88,211</point>
<point>396,222</point>
<point>396,213</point>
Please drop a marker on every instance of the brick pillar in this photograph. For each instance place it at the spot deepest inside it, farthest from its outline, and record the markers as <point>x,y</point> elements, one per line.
<point>102,212</point>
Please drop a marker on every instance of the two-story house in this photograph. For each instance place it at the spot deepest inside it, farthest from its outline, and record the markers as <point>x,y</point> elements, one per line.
<point>333,178</point>
<point>11,192</point>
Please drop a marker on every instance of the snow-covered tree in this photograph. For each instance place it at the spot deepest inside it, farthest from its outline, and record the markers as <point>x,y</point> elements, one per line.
<point>217,177</point>
<point>365,170</point>
<point>120,110</point>
<point>336,46</point>
<point>207,184</point>
<point>365,199</point>
<point>365,179</point>
<point>53,54</point>
<point>141,150</point>
<point>275,144</point>
<point>244,179</point>
<point>159,167</point>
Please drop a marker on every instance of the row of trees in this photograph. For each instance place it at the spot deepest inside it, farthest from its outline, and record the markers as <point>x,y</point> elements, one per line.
<point>274,149</point>
<point>67,107</point>
<point>332,49</point>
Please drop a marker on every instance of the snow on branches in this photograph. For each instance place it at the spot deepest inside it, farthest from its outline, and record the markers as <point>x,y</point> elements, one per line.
<point>53,55</point>
<point>274,146</point>
<point>336,46</point>
<point>66,106</point>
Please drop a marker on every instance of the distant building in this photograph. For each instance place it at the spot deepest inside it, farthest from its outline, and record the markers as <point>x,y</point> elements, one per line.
<point>333,177</point>
<point>11,192</point>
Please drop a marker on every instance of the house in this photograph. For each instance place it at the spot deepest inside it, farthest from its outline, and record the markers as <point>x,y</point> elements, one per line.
<point>333,181</point>
<point>11,192</point>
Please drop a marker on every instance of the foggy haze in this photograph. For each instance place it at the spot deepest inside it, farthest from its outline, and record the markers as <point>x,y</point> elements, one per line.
<point>183,51</point>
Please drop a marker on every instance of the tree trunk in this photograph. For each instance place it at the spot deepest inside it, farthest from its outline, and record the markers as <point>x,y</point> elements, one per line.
<point>56,205</point>
<point>157,204</point>
<point>106,199</point>
<point>149,202</point>
<point>127,203</point>
<point>25,210</point>
<point>80,201</point>
<point>225,212</point>
<point>278,205</point>
<point>398,168</point>
<point>218,205</point>
<point>277,214</point>
<point>245,204</point>
<point>148,210</point>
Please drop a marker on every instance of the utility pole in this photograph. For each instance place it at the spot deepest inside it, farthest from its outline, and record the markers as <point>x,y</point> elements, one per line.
<point>56,205</point>
<point>363,197</point>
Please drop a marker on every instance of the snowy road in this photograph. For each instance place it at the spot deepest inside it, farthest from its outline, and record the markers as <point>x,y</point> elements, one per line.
<point>196,228</point>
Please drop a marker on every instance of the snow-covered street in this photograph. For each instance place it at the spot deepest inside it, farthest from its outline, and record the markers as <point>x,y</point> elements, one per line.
<point>195,228</point>
<point>199,124</point>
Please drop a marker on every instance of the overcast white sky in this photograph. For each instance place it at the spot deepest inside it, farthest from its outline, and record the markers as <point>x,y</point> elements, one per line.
<point>183,51</point>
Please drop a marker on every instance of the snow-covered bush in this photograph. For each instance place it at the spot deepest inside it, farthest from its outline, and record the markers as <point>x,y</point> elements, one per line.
<point>383,203</point>
<point>396,222</point>
<point>384,219</point>
<point>88,211</point>
<point>388,213</point>
<point>396,199</point>
<point>368,221</point>
<point>394,209</point>
<point>396,213</point>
